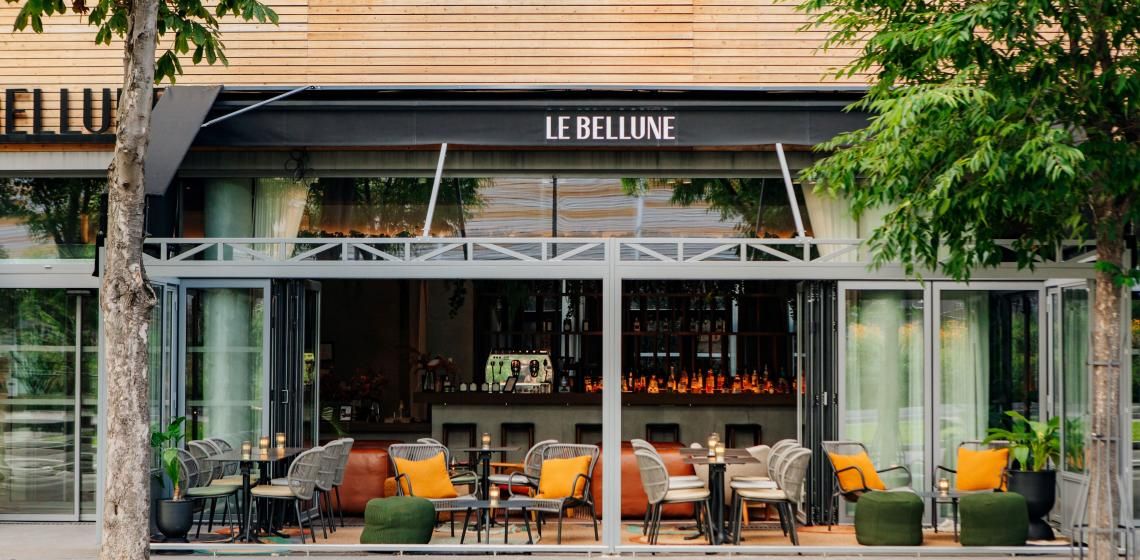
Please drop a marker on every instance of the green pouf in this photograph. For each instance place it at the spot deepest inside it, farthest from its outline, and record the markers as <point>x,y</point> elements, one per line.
<point>994,519</point>
<point>889,519</point>
<point>398,520</point>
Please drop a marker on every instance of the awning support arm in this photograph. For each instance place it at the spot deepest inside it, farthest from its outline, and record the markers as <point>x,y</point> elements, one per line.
<point>258,104</point>
<point>435,189</point>
<point>794,202</point>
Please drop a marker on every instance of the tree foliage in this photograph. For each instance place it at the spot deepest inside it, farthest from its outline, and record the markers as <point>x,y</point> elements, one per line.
<point>991,119</point>
<point>191,26</point>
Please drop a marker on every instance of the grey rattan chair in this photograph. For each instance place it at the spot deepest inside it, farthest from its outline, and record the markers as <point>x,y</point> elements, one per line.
<point>301,483</point>
<point>787,498</point>
<point>682,482</point>
<point>585,502</point>
<point>196,483</point>
<point>655,482</point>
<point>420,452</point>
<point>342,466</point>
<point>532,468</point>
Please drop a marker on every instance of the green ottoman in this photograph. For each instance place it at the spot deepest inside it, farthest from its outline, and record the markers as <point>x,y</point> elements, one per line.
<point>993,519</point>
<point>889,519</point>
<point>398,520</point>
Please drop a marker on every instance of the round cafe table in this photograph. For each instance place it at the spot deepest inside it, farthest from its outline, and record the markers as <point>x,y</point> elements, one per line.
<point>717,468</point>
<point>483,455</point>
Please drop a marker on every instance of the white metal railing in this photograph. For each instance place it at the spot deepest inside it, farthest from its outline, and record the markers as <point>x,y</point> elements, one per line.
<point>309,251</point>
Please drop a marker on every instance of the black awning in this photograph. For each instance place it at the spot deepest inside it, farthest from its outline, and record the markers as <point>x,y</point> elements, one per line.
<point>615,120</point>
<point>174,124</point>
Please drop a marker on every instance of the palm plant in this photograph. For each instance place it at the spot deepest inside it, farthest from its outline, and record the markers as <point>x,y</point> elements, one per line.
<point>1033,444</point>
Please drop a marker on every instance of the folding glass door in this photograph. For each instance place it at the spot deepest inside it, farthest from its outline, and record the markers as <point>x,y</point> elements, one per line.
<point>225,365</point>
<point>49,371</point>
<point>1069,312</point>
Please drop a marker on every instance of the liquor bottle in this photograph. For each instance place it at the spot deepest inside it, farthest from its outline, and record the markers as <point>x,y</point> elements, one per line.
<point>636,324</point>
<point>697,382</point>
<point>720,380</point>
<point>710,383</point>
<point>737,385</point>
<point>683,384</point>
<point>589,385</point>
<point>671,384</point>
<point>745,382</point>
<point>782,386</point>
<point>755,382</point>
<point>654,388</point>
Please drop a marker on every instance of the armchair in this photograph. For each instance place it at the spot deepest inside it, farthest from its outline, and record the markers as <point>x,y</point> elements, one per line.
<point>854,473</point>
<point>980,466</point>
<point>579,500</point>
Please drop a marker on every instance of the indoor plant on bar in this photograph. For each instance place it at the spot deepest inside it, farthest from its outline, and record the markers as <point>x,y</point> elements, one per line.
<point>173,516</point>
<point>1035,446</point>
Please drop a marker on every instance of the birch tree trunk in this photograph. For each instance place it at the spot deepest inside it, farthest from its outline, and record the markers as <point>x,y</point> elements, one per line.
<point>126,303</point>
<point>1101,454</point>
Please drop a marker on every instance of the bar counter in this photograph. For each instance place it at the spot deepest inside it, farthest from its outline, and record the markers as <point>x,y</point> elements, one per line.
<point>555,415</point>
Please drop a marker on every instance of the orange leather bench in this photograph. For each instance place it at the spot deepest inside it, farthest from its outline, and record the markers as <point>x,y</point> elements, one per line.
<point>365,474</point>
<point>632,496</point>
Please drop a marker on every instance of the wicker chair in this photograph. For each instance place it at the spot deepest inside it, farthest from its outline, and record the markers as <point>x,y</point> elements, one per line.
<point>584,502</point>
<point>532,468</point>
<point>420,452</point>
<point>345,449</point>
<point>196,483</point>
<point>977,446</point>
<point>786,498</point>
<point>301,483</point>
<point>655,482</point>
<point>326,476</point>
<point>682,482</point>
<point>852,494</point>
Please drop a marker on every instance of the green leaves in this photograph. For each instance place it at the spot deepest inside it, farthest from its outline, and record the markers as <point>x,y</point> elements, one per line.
<point>185,26</point>
<point>991,119</point>
<point>1034,444</point>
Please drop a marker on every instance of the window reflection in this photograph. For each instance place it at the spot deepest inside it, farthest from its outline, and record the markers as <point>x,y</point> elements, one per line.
<point>49,217</point>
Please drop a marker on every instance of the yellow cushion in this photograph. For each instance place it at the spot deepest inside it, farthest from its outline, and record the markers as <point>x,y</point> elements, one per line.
<point>558,474</point>
<point>981,470</point>
<point>428,477</point>
<point>850,481</point>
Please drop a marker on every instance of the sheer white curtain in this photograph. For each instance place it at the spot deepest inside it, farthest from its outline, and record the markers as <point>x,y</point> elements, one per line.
<point>278,207</point>
<point>830,218</point>
<point>964,339</point>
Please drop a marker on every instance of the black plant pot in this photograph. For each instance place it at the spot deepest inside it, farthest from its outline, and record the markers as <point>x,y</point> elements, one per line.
<point>1040,491</point>
<point>174,519</point>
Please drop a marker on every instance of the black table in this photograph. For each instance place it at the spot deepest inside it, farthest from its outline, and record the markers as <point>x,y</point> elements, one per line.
<point>487,510</point>
<point>704,452</point>
<point>949,497</point>
<point>484,473</point>
<point>265,460</point>
<point>717,468</point>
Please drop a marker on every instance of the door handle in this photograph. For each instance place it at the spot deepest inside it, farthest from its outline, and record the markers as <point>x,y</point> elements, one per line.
<point>286,398</point>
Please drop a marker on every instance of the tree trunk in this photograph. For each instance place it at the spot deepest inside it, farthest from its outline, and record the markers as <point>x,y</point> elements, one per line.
<point>1101,455</point>
<point>126,303</point>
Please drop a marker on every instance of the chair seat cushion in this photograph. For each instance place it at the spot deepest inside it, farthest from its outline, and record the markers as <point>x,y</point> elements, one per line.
<point>774,494</point>
<point>993,519</point>
<point>753,484</point>
<point>687,495</point>
<point>751,479</point>
<point>889,519</point>
<point>210,491</point>
<point>233,480</point>
<point>685,483</point>
<point>272,491</point>
<point>398,520</point>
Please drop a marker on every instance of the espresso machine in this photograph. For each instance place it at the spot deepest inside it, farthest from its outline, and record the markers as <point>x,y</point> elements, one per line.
<point>532,370</point>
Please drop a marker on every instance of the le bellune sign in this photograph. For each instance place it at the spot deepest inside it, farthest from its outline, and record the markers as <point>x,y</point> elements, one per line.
<point>631,127</point>
<point>79,116</point>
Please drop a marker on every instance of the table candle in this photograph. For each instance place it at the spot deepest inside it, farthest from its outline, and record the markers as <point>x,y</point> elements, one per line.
<point>943,486</point>
<point>493,494</point>
<point>486,440</point>
<point>246,448</point>
<point>720,452</point>
<point>263,443</point>
<point>281,439</point>
<point>712,444</point>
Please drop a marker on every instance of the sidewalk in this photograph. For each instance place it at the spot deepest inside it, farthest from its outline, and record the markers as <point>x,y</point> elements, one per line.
<point>48,541</point>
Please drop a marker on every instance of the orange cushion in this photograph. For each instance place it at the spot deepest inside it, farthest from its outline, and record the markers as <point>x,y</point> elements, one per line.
<point>849,480</point>
<point>429,478</point>
<point>558,474</point>
<point>981,470</point>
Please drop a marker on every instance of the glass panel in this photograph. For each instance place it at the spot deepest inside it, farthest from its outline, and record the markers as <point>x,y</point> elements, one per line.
<point>225,379</point>
<point>883,391</point>
<point>1074,375</point>
<point>155,361</point>
<point>37,369</point>
<point>49,218</point>
<point>88,402</point>
<point>310,366</point>
<point>988,364</point>
<point>1135,416</point>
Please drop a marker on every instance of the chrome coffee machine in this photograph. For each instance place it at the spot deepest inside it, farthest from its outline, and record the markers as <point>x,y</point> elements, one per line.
<point>532,370</point>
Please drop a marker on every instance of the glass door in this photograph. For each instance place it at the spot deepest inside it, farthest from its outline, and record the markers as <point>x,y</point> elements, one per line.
<point>293,387</point>
<point>882,363</point>
<point>49,371</point>
<point>225,331</point>
<point>1069,312</point>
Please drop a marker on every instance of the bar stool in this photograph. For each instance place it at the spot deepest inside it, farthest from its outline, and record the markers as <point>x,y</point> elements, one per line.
<point>581,430</point>
<point>459,429</point>
<point>732,430</point>
<point>506,429</point>
<point>671,431</point>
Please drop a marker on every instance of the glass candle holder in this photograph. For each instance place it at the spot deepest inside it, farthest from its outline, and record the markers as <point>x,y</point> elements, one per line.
<point>281,439</point>
<point>486,440</point>
<point>720,452</point>
<point>712,445</point>
<point>493,494</point>
<point>943,486</point>
<point>263,443</point>
<point>246,449</point>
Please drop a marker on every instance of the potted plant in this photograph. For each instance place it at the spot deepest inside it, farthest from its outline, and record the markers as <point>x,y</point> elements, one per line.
<point>1036,447</point>
<point>173,516</point>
